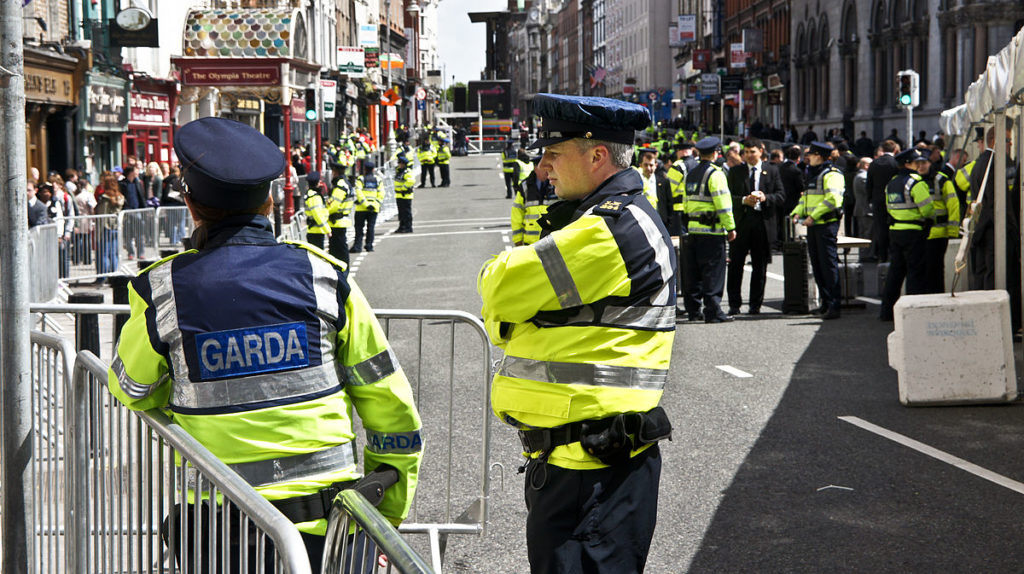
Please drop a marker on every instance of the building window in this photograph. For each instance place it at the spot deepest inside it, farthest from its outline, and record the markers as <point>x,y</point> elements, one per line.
<point>848,46</point>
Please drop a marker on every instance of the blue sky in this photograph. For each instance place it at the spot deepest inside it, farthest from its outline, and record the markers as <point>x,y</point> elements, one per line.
<point>462,44</point>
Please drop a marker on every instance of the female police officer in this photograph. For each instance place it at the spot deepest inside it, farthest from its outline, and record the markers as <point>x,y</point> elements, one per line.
<point>261,349</point>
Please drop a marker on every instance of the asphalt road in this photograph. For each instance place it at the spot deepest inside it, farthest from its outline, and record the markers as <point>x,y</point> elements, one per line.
<point>762,474</point>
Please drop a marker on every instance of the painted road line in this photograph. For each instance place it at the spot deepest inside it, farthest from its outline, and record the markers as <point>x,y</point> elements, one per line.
<point>470,220</point>
<point>734,371</point>
<point>775,276</point>
<point>937,454</point>
<point>871,300</point>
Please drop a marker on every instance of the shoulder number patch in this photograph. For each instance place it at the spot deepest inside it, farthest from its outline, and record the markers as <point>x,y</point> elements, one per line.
<point>252,350</point>
<point>613,207</point>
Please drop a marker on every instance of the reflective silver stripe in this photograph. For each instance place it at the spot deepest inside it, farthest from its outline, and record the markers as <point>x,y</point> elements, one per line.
<point>130,386</point>
<point>662,256</point>
<point>394,442</point>
<point>558,273</point>
<point>255,388</point>
<point>584,374</point>
<point>325,289</point>
<point>162,288</point>
<point>288,468</point>
<point>641,317</point>
<point>534,232</point>
<point>519,207</point>
<point>372,370</point>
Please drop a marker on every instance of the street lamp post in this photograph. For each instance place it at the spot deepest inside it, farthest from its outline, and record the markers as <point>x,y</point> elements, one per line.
<point>386,123</point>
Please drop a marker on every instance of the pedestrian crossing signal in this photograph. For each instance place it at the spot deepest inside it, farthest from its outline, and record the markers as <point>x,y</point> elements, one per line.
<point>311,109</point>
<point>908,95</point>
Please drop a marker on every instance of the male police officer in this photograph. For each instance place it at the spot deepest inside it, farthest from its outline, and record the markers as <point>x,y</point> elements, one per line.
<point>339,211</point>
<point>818,209</point>
<point>369,195</point>
<point>404,187</point>
<point>587,352</point>
<point>911,212</point>
<point>233,340</point>
<point>317,217</point>
<point>708,208</point>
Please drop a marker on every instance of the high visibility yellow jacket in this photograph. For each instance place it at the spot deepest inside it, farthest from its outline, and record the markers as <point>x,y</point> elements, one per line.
<point>264,370</point>
<point>405,183</point>
<point>908,201</point>
<point>823,195</point>
<point>339,204</point>
<point>707,191</point>
<point>369,193</point>
<point>524,169</point>
<point>586,316</point>
<point>676,175</point>
<point>444,154</point>
<point>528,206</point>
<point>508,161</point>
<point>317,215</point>
<point>427,156</point>
<point>963,178</point>
<point>947,208</point>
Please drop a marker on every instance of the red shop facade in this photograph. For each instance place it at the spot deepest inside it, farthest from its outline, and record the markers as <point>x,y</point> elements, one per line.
<point>150,135</point>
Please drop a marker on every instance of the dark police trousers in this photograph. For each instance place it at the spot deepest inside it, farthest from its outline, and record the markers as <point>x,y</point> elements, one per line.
<point>424,170</point>
<point>821,247</point>
<point>369,219</point>
<point>404,214</point>
<point>705,274</point>
<point>935,264</point>
<point>598,521</point>
<point>339,243</point>
<point>906,261</point>
<point>314,545</point>
<point>316,239</point>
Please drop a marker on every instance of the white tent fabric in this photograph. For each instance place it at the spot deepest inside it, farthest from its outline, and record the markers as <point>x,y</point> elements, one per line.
<point>993,91</point>
<point>954,120</point>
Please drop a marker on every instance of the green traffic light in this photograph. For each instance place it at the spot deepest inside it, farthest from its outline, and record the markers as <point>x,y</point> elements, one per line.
<point>311,115</point>
<point>905,99</point>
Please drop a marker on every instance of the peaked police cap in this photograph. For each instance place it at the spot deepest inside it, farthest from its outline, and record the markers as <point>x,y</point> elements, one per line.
<point>599,119</point>
<point>911,155</point>
<point>227,164</point>
<point>821,148</point>
<point>708,144</point>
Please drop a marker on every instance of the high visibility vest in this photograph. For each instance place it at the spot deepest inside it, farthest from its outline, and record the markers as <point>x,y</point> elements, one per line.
<point>508,161</point>
<point>427,156</point>
<point>823,195</point>
<point>595,338</point>
<point>676,175</point>
<point>317,216</point>
<point>963,179</point>
<point>908,201</point>
<point>650,188</point>
<point>264,370</point>
<point>405,183</point>
<point>947,208</point>
<point>339,205</point>
<point>444,154</point>
<point>707,198</point>
<point>369,193</point>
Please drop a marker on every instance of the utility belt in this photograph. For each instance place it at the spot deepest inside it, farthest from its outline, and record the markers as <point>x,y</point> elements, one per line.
<point>830,217</point>
<point>337,215</point>
<point>610,439</point>
<point>709,218</point>
<point>318,505</point>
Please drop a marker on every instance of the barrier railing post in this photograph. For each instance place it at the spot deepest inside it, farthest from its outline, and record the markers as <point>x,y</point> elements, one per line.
<point>119,288</point>
<point>87,325</point>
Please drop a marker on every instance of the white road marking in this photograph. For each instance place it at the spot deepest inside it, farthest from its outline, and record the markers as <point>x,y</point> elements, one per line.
<point>871,300</point>
<point>937,454</point>
<point>775,276</point>
<point>417,235</point>
<point>734,371</point>
<point>470,220</point>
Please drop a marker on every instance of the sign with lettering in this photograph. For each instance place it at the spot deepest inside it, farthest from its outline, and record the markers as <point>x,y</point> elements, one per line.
<point>351,61</point>
<point>252,350</point>
<point>50,86</point>
<point>238,73</point>
<point>153,109</point>
<point>106,104</point>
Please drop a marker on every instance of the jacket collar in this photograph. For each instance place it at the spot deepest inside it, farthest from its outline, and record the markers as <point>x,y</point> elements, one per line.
<point>241,230</point>
<point>627,181</point>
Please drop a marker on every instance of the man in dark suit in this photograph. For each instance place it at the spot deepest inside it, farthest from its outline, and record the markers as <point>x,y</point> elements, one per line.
<point>881,171</point>
<point>792,185</point>
<point>757,194</point>
<point>864,147</point>
<point>37,214</point>
<point>983,250</point>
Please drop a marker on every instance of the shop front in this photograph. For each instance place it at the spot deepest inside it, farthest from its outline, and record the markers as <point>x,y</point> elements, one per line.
<point>51,96</point>
<point>150,136</point>
<point>103,121</point>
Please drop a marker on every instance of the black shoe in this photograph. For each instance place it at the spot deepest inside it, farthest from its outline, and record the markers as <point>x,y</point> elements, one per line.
<point>734,310</point>
<point>754,311</point>
<point>421,187</point>
<point>355,250</point>
<point>508,197</point>
<point>819,311</point>
<point>719,319</point>
<point>832,313</point>
<point>368,248</point>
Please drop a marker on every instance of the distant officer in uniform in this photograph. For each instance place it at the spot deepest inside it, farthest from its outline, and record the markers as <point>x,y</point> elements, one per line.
<point>508,168</point>
<point>317,216</point>
<point>946,200</point>
<point>339,212</point>
<point>405,185</point>
<point>911,212</point>
<point>530,204</point>
<point>427,155</point>
<point>708,208</point>
<point>232,340</point>
<point>818,209</point>
<point>584,315</point>
<point>443,158</point>
<point>369,195</point>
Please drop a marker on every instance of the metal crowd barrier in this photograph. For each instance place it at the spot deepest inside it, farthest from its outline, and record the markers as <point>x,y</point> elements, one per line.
<point>130,507</point>
<point>43,249</point>
<point>51,361</point>
<point>357,535</point>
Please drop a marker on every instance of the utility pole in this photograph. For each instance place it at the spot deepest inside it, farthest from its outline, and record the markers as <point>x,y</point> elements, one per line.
<point>16,520</point>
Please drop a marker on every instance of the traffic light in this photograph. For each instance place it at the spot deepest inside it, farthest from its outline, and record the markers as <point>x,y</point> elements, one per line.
<point>908,95</point>
<point>312,113</point>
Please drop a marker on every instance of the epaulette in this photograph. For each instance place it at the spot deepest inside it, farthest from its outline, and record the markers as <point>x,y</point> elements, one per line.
<point>615,205</point>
